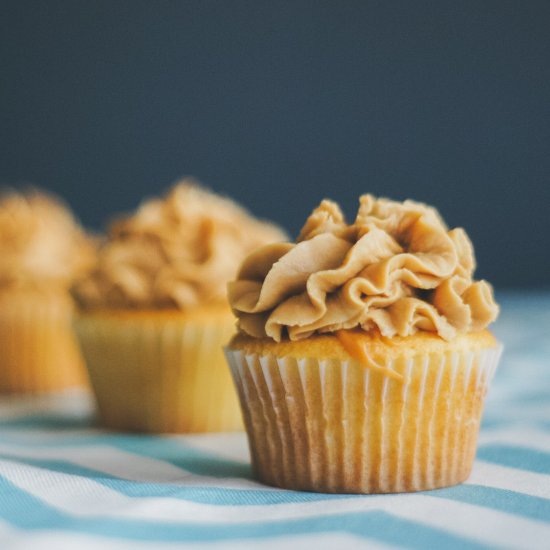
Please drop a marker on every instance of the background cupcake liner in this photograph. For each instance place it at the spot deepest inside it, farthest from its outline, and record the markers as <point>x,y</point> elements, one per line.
<point>160,374</point>
<point>38,350</point>
<point>336,426</point>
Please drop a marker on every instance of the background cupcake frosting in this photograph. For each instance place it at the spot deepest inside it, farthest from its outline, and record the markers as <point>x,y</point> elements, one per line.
<point>177,251</point>
<point>40,242</point>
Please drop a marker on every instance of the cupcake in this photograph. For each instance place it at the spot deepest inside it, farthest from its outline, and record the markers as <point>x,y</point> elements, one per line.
<point>154,315</point>
<point>42,251</point>
<point>362,358</point>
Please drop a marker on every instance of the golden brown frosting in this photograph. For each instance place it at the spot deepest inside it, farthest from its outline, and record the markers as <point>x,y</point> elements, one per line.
<point>174,252</point>
<point>41,245</point>
<point>396,269</point>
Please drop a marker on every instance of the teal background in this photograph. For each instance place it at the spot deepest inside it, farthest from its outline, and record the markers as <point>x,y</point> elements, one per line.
<point>282,103</point>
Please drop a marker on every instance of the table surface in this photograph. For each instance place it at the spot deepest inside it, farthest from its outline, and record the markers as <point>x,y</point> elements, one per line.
<point>65,484</point>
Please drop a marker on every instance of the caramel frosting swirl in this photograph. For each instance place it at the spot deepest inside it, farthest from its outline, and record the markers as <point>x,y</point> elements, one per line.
<point>174,252</point>
<point>397,269</point>
<point>41,244</point>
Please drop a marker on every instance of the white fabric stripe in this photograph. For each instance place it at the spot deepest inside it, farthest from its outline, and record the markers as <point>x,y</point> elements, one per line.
<point>36,436</point>
<point>125,465</point>
<point>502,477</point>
<point>65,493</point>
<point>528,437</point>
<point>77,404</point>
<point>17,539</point>
<point>231,446</point>
<point>108,460</point>
<point>522,410</point>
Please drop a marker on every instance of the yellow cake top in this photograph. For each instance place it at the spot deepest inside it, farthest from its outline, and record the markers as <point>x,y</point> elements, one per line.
<point>177,251</point>
<point>41,244</point>
<point>396,270</point>
<point>322,346</point>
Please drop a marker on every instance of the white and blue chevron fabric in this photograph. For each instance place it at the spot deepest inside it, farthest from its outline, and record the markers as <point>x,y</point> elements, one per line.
<point>65,484</point>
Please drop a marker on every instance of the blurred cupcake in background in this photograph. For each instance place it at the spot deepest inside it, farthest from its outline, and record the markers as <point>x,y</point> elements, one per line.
<point>154,316</point>
<point>42,251</point>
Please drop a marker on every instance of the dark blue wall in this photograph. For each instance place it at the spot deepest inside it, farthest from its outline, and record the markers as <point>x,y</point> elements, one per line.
<point>280,104</point>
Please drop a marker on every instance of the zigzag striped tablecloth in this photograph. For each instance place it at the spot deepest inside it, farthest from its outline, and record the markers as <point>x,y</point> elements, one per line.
<point>65,484</point>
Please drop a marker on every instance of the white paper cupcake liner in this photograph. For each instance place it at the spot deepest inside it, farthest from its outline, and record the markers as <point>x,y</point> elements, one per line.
<point>336,426</point>
<point>160,374</point>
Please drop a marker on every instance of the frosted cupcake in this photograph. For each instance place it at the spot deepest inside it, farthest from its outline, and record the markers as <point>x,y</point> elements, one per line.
<point>154,315</point>
<point>42,251</point>
<point>362,358</point>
